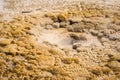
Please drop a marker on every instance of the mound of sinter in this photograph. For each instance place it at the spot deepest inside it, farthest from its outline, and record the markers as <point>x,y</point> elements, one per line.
<point>65,45</point>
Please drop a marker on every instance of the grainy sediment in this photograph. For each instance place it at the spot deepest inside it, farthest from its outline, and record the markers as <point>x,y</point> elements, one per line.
<point>68,42</point>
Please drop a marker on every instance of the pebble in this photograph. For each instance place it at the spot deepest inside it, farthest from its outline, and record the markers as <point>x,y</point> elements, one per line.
<point>76,45</point>
<point>112,37</point>
<point>94,32</point>
<point>48,27</point>
<point>100,35</point>
<point>56,25</point>
<point>75,36</point>
<point>63,24</point>
<point>74,20</point>
<point>70,28</point>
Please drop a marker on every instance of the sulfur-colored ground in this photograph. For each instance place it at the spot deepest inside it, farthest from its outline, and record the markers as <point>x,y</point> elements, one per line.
<point>74,42</point>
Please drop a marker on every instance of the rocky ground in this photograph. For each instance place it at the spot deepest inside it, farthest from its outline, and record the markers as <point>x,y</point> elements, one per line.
<point>74,42</point>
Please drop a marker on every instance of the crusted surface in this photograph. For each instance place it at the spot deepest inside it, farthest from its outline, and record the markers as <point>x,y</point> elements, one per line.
<point>62,45</point>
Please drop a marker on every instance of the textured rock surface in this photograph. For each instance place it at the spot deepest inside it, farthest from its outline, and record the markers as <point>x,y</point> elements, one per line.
<point>73,43</point>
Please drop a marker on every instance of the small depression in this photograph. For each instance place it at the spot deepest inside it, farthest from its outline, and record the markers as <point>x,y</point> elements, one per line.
<point>62,39</point>
<point>58,37</point>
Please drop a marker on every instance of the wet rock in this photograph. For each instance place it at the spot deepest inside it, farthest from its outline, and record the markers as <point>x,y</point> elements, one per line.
<point>56,25</point>
<point>4,41</point>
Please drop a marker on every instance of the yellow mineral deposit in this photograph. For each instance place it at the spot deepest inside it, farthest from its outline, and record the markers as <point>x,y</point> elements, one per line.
<point>60,40</point>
